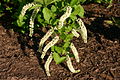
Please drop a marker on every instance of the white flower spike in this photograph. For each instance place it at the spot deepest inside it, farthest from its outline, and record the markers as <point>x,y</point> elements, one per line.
<point>46,36</point>
<point>82,30</point>
<point>31,25</point>
<point>74,32</point>
<point>26,7</point>
<point>70,66</point>
<point>64,17</point>
<point>75,52</point>
<point>47,64</point>
<point>50,44</point>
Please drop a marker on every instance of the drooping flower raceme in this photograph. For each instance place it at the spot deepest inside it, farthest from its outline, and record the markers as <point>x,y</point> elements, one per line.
<point>64,17</point>
<point>20,21</point>
<point>26,7</point>
<point>31,25</point>
<point>82,29</point>
<point>74,32</point>
<point>50,44</point>
<point>70,66</point>
<point>46,36</point>
<point>47,64</point>
<point>75,52</point>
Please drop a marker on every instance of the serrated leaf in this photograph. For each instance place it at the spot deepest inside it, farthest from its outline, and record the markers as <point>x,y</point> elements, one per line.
<point>20,21</point>
<point>78,10</point>
<point>81,13</point>
<point>53,8</point>
<point>39,19</point>
<point>68,29</point>
<point>57,58</point>
<point>39,1</point>
<point>73,17</point>
<point>67,44</point>
<point>54,21</point>
<point>45,2</point>
<point>73,2</point>
<point>75,26</point>
<point>47,14</point>
<point>33,7</point>
<point>82,1</point>
<point>62,36</point>
<point>68,37</point>
<point>58,49</point>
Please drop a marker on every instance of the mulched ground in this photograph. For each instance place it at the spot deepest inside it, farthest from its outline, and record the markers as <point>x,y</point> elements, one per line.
<point>99,58</point>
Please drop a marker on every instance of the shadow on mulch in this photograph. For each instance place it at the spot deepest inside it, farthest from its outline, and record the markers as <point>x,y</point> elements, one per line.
<point>110,32</point>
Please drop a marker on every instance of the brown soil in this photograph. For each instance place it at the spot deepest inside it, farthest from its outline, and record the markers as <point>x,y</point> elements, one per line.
<point>99,58</point>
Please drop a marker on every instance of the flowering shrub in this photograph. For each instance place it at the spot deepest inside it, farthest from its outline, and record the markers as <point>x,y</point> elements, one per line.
<point>62,17</point>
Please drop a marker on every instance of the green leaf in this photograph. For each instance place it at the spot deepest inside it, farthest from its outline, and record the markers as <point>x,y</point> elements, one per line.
<point>20,21</point>
<point>74,25</point>
<point>45,2</point>
<point>58,49</point>
<point>7,1</point>
<point>66,45</point>
<point>81,13</point>
<point>68,37</point>
<point>53,8</point>
<point>73,17</point>
<point>68,29</point>
<point>52,48</point>
<point>47,14</point>
<point>78,10</point>
<point>82,1</point>
<point>73,2</point>
<point>116,20</point>
<point>62,36</point>
<point>33,7</point>
<point>39,19</point>
<point>57,58</point>
<point>98,1</point>
<point>39,1</point>
<point>54,21</point>
<point>59,4</point>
